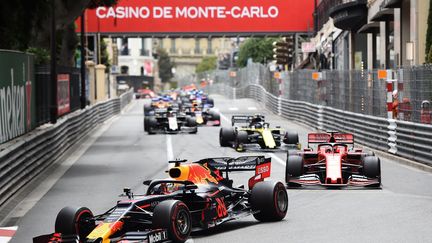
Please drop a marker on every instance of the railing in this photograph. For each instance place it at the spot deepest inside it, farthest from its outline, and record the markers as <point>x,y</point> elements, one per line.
<point>24,158</point>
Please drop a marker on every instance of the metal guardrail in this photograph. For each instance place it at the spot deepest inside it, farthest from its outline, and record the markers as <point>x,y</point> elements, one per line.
<point>412,140</point>
<point>24,158</point>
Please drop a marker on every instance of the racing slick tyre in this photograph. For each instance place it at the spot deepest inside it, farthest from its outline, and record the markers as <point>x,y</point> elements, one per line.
<point>291,138</point>
<point>294,167</point>
<point>152,124</point>
<point>210,102</point>
<point>174,216</point>
<point>241,139</point>
<point>191,122</point>
<point>372,167</point>
<point>226,136</point>
<point>75,221</point>
<point>147,109</point>
<point>270,199</point>
<point>215,116</point>
<point>146,122</point>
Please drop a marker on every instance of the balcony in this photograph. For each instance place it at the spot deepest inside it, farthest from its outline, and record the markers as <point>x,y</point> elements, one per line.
<point>349,14</point>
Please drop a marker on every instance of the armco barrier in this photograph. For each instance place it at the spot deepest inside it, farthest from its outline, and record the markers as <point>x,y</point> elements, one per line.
<point>412,140</point>
<point>25,157</point>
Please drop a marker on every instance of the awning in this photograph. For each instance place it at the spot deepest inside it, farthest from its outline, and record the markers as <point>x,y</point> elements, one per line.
<point>373,27</point>
<point>393,4</point>
<point>383,15</point>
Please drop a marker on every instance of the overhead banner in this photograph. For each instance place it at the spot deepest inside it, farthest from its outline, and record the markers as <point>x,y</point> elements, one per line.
<point>201,16</point>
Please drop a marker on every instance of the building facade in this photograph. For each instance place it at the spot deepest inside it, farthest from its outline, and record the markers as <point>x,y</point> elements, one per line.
<point>372,34</point>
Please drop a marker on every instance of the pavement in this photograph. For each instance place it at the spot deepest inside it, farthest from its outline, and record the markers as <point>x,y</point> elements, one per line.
<point>122,155</point>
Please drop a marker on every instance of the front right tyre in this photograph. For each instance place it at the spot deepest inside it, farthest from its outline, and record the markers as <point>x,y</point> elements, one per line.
<point>270,201</point>
<point>174,216</point>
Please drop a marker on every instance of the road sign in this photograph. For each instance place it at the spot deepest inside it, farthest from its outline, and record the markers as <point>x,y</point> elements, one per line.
<point>197,16</point>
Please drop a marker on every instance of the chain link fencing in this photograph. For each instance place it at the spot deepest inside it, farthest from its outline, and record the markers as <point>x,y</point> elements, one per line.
<point>358,91</point>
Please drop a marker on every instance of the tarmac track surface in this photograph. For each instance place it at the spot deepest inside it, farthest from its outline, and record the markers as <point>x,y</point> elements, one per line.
<point>123,156</point>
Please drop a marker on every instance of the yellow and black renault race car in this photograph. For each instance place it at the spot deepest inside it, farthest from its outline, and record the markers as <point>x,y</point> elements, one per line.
<point>196,196</point>
<point>255,132</point>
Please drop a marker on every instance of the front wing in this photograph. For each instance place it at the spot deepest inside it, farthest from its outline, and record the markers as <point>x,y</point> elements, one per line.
<point>147,236</point>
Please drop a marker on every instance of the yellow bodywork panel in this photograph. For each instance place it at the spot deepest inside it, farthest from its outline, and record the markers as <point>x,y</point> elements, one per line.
<point>268,138</point>
<point>266,134</point>
<point>105,230</point>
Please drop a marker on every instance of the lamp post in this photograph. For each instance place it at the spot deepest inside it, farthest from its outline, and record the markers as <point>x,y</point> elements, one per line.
<point>53,105</point>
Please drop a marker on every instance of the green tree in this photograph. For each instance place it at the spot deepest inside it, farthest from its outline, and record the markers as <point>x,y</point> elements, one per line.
<point>165,66</point>
<point>259,49</point>
<point>26,24</point>
<point>206,64</point>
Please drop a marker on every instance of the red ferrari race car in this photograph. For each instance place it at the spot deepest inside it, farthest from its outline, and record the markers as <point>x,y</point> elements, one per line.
<point>334,163</point>
<point>196,196</point>
<point>144,94</point>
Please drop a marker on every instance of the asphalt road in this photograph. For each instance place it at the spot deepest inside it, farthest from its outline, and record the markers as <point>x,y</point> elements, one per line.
<point>123,156</point>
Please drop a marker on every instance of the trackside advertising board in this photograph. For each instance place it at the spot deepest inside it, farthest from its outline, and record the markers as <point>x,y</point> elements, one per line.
<point>201,16</point>
<point>17,94</point>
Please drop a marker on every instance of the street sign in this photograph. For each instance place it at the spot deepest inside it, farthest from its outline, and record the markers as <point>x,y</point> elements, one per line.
<point>197,16</point>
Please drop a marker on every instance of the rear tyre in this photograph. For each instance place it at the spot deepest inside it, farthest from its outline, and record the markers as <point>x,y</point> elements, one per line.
<point>372,167</point>
<point>226,136</point>
<point>146,123</point>
<point>215,116</point>
<point>147,109</point>
<point>270,199</point>
<point>174,216</point>
<point>294,167</point>
<point>75,221</point>
<point>291,138</point>
<point>240,140</point>
<point>152,124</point>
<point>210,102</point>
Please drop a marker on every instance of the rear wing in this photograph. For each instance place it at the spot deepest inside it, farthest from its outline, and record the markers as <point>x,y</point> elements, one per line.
<point>244,163</point>
<point>346,138</point>
<point>244,119</point>
<point>260,164</point>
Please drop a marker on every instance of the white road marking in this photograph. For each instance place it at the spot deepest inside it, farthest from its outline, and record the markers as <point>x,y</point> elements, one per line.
<point>6,233</point>
<point>170,153</point>
<point>276,158</point>
<point>252,108</point>
<point>233,109</point>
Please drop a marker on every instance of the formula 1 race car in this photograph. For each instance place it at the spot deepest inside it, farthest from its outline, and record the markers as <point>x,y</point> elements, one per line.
<point>161,102</point>
<point>169,120</point>
<point>197,196</point>
<point>256,132</point>
<point>208,117</point>
<point>335,163</point>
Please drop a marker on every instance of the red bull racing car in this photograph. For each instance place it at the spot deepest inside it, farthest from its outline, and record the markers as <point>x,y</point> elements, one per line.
<point>334,163</point>
<point>196,196</point>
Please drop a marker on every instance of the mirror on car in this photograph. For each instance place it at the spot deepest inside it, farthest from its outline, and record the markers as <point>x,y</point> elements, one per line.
<point>147,182</point>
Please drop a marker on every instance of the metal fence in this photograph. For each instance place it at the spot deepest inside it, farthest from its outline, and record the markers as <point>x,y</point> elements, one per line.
<point>43,79</point>
<point>28,156</point>
<point>358,91</point>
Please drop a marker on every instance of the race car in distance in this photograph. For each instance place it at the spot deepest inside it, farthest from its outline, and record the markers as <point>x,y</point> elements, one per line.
<point>202,115</point>
<point>169,120</point>
<point>144,94</point>
<point>161,102</point>
<point>256,132</point>
<point>196,196</point>
<point>334,163</point>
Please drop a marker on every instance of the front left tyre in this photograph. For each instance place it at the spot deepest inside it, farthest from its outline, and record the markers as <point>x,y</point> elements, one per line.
<point>75,221</point>
<point>270,201</point>
<point>174,216</point>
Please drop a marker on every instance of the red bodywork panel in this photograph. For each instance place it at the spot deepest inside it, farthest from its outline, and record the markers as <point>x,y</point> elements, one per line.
<point>327,138</point>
